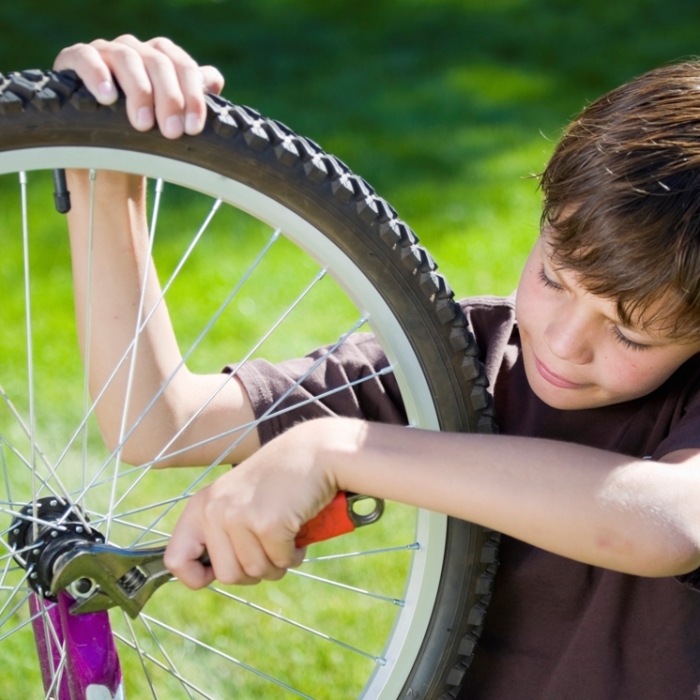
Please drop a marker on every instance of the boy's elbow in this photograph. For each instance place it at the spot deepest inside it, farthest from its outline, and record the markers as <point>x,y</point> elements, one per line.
<point>677,553</point>
<point>675,514</point>
<point>131,451</point>
<point>688,553</point>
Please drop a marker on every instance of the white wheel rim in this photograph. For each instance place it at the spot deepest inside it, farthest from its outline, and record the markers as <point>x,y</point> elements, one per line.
<point>412,621</point>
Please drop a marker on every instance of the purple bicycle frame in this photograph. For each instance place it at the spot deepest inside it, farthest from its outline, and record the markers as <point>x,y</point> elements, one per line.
<point>90,667</point>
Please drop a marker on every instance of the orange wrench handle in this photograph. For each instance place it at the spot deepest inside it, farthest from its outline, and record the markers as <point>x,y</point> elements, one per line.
<point>332,521</point>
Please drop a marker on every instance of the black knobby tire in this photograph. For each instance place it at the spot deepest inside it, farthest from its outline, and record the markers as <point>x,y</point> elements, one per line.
<point>39,110</point>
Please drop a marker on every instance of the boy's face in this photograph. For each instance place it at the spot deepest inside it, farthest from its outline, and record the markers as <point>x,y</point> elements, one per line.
<point>576,351</point>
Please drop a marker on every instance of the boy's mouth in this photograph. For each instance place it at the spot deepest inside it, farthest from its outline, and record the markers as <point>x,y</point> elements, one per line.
<point>555,379</point>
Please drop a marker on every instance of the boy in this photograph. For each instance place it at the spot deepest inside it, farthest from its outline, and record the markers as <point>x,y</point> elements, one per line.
<point>595,482</point>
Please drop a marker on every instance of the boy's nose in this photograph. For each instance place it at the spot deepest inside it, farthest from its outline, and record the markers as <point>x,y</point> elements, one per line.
<point>569,339</point>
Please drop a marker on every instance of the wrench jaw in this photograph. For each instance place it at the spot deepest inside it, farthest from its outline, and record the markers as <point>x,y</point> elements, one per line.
<point>100,577</point>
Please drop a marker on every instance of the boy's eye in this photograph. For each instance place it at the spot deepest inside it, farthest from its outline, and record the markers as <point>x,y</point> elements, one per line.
<point>547,282</point>
<point>626,341</point>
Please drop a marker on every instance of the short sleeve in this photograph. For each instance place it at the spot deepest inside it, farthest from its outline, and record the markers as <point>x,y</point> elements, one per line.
<point>347,382</point>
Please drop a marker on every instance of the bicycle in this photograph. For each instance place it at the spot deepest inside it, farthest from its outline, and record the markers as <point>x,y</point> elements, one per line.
<point>423,580</point>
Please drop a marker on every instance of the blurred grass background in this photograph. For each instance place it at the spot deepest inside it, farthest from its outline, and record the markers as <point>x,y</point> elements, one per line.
<point>445,106</point>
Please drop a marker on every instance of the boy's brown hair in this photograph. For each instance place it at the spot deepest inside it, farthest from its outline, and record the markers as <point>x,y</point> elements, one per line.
<point>622,200</point>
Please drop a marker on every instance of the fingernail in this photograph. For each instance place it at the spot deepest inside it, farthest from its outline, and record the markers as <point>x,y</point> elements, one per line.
<point>193,124</point>
<point>107,91</point>
<point>173,126</point>
<point>144,118</point>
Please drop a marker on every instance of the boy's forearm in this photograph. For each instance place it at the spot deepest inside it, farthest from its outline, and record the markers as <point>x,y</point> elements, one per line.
<point>594,506</point>
<point>120,261</point>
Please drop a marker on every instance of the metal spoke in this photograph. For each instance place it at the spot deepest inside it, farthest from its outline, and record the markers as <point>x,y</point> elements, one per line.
<point>26,430</point>
<point>227,657</point>
<point>28,327</point>
<point>171,666</point>
<point>361,591</point>
<point>139,653</point>
<point>27,464</point>
<point>161,665</point>
<point>48,637</point>
<point>126,353</point>
<point>31,519</point>
<point>108,480</point>
<point>20,586</point>
<point>97,518</point>
<point>274,414</point>
<point>14,610</point>
<point>21,625</point>
<point>7,568</point>
<point>57,677</point>
<point>276,403</point>
<point>297,625</point>
<point>351,555</point>
<point>5,473</point>
<point>143,509</point>
<point>134,353</point>
<point>88,321</point>
<point>230,376</point>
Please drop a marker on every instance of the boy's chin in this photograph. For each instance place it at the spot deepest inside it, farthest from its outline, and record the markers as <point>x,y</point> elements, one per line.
<point>568,399</point>
<point>565,399</point>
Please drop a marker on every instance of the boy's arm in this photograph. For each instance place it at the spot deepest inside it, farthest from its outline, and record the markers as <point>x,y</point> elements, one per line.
<point>163,85</point>
<point>636,516</point>
<point>119,263</point>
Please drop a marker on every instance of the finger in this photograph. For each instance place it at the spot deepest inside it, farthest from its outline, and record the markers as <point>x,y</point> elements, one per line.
<point>127,66</point>
<point>88,63</point>
<point>282,553</point>
<point>167,95</point>
<point>182,558</point>
<point>213,80</point>
<point>192,83</point>
<point>224,560</point>
<point>187,568</point>
<point>253,559</point>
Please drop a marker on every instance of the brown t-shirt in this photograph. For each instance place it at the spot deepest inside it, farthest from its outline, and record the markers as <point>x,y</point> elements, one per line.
<point>556,629</point>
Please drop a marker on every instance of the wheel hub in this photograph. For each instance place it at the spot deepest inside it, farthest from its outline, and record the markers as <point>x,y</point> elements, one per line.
<point>42,531</point>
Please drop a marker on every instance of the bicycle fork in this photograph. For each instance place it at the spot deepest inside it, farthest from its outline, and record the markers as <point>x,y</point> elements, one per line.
<point>77,654</point>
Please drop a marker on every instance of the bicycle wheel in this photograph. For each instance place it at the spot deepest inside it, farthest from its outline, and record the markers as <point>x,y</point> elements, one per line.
<point>421,581</point>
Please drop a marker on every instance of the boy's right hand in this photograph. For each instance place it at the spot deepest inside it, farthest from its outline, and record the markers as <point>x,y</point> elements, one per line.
<point>248,519</point>
<point>163,84</point>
